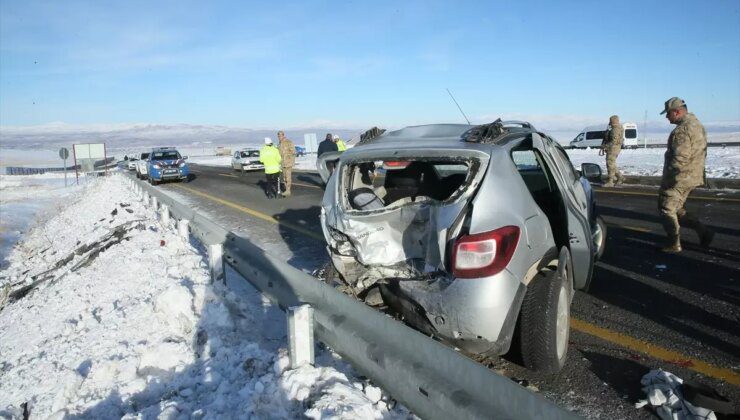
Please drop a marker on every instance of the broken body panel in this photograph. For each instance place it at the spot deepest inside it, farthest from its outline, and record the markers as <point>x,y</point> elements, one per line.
<point>405,245</point>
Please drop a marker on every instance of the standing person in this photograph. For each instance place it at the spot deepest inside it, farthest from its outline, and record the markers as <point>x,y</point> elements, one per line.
<point>287,153</point>
<point>327,145</point>
<point>612,145</point>
<point>270,157</point>
<point>683,170</point>
<point>340,144</point>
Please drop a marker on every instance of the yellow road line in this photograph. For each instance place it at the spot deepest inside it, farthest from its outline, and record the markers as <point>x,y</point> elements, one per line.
<point>656,352</point>
<point>231,175</point>
<point>252,212</point>
<point>601,190</point>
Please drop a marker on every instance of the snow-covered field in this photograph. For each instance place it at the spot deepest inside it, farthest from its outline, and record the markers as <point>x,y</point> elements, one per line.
<point>135,329</point>
<point>721,162</point>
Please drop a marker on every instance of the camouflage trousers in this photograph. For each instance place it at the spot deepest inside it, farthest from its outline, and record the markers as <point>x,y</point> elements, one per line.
<point>671,203</point>
<point>288,178</point>
<point>613,174</point>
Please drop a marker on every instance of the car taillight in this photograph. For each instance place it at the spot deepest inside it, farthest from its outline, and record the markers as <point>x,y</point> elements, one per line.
<point>484,254</point>
<point>393,164</point>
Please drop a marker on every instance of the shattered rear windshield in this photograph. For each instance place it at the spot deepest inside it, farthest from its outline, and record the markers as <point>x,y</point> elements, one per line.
<point>378,184</point>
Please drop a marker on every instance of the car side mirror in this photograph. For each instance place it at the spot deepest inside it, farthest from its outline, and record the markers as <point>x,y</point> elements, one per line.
<point>591,171</point>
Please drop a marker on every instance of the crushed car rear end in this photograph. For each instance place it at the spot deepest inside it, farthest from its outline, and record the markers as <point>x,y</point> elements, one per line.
<point>444,230</point>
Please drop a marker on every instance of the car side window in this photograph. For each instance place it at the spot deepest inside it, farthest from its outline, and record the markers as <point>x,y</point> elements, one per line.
<point>565,166</point>
<point>525,160</point>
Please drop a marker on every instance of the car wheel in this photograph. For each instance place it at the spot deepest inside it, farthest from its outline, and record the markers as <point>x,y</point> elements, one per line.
<point>544,321</point>
<point>599,236</point>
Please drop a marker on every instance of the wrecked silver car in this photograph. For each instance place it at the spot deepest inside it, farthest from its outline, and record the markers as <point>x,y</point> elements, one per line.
<point>467,233</point>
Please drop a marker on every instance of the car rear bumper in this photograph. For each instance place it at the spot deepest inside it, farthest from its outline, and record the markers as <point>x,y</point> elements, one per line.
<point>476,315</point>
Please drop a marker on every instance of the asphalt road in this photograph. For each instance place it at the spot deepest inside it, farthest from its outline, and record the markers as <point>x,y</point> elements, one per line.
<point>645,309</point>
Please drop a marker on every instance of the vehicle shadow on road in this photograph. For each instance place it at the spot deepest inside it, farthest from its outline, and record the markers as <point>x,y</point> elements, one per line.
<point>622,375</point>
<point>301,232</point>
<point>642,290</point>
<point>628,214</point>
<point>312,179</point>
<point>697,269</point>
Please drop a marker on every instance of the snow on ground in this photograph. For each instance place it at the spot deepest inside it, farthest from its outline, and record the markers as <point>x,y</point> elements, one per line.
<point>21,199</point>
<point>721,162</point>
<point>138,331</point>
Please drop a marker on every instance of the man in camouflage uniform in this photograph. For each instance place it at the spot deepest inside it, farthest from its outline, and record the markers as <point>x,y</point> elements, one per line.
<point>287,153</point>
<point>612,145</point>
<point>683,170</point>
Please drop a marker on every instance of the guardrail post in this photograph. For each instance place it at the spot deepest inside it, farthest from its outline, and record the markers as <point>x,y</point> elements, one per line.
<point>300,335</point>
<point>182,229</point>
<point>216,261</point>
<point>164,216</point>
<point>154,203</point>
<point>146,197</point>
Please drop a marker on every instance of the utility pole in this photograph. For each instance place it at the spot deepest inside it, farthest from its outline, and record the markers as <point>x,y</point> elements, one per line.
<point>644,130</point>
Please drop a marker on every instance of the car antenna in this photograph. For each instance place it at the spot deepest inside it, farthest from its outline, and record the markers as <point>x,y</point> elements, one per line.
<point>458,107</point>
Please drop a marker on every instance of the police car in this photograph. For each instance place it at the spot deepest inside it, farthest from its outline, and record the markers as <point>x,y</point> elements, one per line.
<point>166,164</point>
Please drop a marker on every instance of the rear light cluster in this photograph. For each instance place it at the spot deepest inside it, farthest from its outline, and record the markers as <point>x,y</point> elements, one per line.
<point>484,254</point>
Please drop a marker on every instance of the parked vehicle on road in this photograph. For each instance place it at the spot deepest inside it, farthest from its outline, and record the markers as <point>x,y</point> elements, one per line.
<point>142,165</point>
<point>246,160</point>
<point>300,151</point>
<point>131,163</point>
<point>166,164</point>
<point>592,136</point>
<point>469,234</point>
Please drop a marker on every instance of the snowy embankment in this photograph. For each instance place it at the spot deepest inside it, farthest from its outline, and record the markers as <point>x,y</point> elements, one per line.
<point>119,319</point>
<point>721,162</point>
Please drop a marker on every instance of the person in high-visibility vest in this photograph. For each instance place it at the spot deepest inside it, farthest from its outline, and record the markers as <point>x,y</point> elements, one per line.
<point>270,157</point>
<point>340,144</point>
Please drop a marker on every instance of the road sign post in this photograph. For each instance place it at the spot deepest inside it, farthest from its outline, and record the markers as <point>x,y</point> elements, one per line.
<point>64,154</point>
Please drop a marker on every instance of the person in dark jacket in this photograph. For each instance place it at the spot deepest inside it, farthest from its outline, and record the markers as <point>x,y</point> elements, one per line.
<point>327,145</point>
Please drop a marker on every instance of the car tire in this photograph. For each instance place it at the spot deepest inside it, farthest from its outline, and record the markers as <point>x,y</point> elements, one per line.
<point>544,321</point>
<point>600,241</point>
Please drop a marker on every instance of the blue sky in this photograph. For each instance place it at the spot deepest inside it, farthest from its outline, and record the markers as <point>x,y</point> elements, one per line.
<point>354,64</point>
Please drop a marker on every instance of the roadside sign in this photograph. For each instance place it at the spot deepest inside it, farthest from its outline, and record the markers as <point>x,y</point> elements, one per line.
<point>64,154</point>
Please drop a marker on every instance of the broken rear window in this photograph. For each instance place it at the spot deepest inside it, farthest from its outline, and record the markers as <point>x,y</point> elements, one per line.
<point>379,184</point>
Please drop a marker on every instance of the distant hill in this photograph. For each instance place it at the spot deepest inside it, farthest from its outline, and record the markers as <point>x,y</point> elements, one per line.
<point>132,136</point>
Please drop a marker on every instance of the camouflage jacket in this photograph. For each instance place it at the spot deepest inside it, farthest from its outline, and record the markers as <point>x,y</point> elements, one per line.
<point>287,152</point>
<point>686,153</point>
<point>613,138</point>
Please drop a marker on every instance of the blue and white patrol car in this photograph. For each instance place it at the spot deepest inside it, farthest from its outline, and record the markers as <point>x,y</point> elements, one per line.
<point>166,164</point>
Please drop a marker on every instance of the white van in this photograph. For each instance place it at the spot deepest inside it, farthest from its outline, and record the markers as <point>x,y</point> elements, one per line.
<point>593,135</point>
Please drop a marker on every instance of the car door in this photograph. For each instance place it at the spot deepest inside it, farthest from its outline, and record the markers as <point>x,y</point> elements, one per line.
<point>576,207</point>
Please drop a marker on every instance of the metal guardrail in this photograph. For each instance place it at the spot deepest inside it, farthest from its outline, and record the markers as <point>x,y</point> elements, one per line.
<point>431,379</point>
